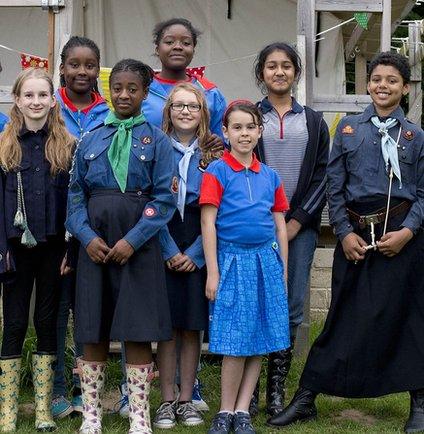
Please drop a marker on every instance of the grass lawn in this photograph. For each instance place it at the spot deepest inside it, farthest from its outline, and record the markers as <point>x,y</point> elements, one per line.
<point>336,415</point>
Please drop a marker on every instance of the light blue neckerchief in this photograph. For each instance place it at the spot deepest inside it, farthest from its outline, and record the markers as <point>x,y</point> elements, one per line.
<point>188,152</point>
<point>388,145</point>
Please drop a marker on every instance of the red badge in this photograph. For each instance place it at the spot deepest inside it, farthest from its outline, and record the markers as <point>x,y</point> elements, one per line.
<point>174,185</point>
<point>409,135</point>
<point>146,140</point>
<point>347,130</point>
<point>149,212</point>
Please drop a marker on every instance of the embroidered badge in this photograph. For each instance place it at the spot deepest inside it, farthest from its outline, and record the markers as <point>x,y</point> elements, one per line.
<point>146,140</point>
<point>163,209</point>
<point>174,185</point>
<point>202,165</point>
<point>347,130</point>
<point>409,135</point>
<point>149,212</point>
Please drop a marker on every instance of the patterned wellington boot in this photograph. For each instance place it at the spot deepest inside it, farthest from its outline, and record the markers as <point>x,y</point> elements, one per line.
<point>138,380</point>
<point>92,375</point>
<point>10,370</point>
<point>42,378</point>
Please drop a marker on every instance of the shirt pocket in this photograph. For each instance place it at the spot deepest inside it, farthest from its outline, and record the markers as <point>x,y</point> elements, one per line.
<point>98,164</point>
<point>140,167</point>
<point>407,163</point>
<point>351,147</point>
<point>12,177</point>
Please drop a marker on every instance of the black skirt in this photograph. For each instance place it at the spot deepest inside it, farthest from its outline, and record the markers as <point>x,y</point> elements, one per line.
<point>186,291</point>
<point>372,343</point>
<point>121,302</point>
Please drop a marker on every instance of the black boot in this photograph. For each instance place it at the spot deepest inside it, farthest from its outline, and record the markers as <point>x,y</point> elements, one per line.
<point>278,368</point>
<point>415,423</point>
<point>254,402</point>
<point>301,409</point>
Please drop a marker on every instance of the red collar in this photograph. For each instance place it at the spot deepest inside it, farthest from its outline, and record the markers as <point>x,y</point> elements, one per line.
<point>237,166</point>
<point>189,78</point>
<point>95,98</point>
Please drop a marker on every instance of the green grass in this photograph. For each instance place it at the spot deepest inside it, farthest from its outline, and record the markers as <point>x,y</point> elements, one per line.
<point>382,415</point>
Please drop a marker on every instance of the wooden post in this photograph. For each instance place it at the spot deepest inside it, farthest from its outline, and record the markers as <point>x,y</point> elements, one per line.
<point>50,39</point>
<point>360,75</point>
<point>386,25</point>
<point>415,58</point>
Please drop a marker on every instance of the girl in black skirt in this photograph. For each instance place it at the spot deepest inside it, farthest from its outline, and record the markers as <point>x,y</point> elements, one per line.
<point>186,121</point>
<point>120,197</point>
<point>372,343</point>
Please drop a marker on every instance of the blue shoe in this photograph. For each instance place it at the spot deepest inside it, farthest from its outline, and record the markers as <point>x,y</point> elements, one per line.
<point>77,403</point>
<point>242,423</point>
<point>221,423</point>
<point>197,399</point>
<point>123,402</point>
<point>61,407</point>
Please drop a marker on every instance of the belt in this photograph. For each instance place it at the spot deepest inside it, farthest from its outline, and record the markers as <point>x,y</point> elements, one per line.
<point>379,216</point>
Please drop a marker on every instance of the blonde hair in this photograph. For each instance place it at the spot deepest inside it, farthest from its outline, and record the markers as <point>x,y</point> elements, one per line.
<point>202,132</point>
<point>60,143</point>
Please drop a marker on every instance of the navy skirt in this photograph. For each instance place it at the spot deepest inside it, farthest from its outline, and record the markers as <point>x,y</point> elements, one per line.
<point>186,291</point>
<point>121,302</point>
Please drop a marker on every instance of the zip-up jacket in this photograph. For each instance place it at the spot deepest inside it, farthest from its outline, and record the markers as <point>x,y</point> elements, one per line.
<point>309,197</point>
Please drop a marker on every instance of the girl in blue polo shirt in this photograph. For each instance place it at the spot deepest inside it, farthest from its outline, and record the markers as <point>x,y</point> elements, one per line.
<point>245,246</point>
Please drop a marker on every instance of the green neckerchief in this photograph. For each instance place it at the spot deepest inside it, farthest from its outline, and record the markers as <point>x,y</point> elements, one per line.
<point>119,150</point>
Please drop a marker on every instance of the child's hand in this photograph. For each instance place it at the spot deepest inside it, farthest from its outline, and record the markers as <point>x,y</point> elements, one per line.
<point>214,143</point>
<point>393,242</point>
<point>97,250</point>
<point>120,252</point>
<point>184,264</point>
<point>171,261</point>
<point>212,285</point>
<point>64,267</point>
<point>354,247</point>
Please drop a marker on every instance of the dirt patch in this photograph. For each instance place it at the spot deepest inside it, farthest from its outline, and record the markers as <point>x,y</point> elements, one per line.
<point>356,416</point>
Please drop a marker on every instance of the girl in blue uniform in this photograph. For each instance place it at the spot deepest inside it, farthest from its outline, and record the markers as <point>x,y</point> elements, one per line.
<point>245,246</point>
<point>119,198</point>
<point>83,109</point>
<point>186,121</point>
<point>35,156</point>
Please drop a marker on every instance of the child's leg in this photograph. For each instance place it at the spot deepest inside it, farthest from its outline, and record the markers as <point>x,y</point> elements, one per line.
<point>138,353</point>
<point>190,350</point>
<point>252,369</point>
<point>231,376</point>
<point>96,352</point>
<point>167,362</point>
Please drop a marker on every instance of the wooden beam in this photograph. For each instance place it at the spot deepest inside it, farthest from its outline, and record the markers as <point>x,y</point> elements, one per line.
<point>51,39</point>
<point>386,26</point>
<point>26,3</point>
<point>360,75</point>
<point>341,103</point>
<point>349,5</point>
<point>415,58</point>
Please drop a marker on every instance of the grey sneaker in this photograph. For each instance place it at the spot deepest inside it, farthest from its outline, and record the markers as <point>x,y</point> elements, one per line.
<point>165,416</point>
<point>221,423</point>
<point>242,423</point>
<point>188,414</point>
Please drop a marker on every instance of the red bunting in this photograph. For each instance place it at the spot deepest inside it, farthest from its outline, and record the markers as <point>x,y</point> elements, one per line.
<point>197,71</point>
<point>30,61</point>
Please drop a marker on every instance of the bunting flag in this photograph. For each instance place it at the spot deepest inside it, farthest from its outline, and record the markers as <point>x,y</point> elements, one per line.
<point>197,71</point>
<point>362,19</point>
<point>30,61</point>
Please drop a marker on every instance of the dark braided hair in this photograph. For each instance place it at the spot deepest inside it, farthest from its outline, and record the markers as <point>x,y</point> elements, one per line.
<point>141,69</point>
<point>160,28</point>
<point>79,41</point>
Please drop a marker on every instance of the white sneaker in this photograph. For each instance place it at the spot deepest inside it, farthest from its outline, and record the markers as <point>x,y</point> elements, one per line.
<point>165,416</point>
<point>123,401</point>
<point>188,414</point>
<point>197,399</point>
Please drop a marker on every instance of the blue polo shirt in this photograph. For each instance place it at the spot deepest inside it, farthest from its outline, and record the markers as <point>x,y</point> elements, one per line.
<point>3,120</point>
<point>245,198</point>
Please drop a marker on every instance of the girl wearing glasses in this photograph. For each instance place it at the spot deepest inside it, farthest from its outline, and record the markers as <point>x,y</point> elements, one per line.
<point>186,121</point>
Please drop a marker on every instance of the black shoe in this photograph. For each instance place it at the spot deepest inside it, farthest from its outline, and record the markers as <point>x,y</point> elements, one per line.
<point>242,423</point>
<point>221,423</point>
<point>254,402</point>
<point>415,423</point>
<point>301,409</point>
<point>278,368</point>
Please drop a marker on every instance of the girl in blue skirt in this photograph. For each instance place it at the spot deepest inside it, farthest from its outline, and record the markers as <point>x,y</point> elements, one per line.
<point>245,247</point>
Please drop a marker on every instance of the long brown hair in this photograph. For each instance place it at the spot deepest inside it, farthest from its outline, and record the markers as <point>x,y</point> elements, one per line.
<point>202,132</point>
<point>60,143</point>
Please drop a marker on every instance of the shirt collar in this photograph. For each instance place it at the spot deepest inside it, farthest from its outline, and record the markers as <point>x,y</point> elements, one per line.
<point>43,130</point>
<point>370,111</point>
<point>266,106</point>
<point>95,100</point>
<point>255,166</point>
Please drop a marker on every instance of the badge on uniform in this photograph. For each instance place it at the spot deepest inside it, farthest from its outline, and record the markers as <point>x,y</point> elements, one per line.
<point>347,130</point>
<point>408,135</point>
<point>174,185</point>
<point>202,165</point>
<point>149,212</point>
<point>146,140</point>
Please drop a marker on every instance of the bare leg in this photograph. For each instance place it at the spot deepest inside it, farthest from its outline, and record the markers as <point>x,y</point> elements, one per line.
<point>167,362</point>
<point>138,353</point>
<point>231,375</point>
<point>190,350</point>
<point>252,369</point>
<point>96,352</point>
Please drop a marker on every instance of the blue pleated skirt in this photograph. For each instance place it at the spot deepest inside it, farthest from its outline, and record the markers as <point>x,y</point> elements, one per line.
<point>250,314</point>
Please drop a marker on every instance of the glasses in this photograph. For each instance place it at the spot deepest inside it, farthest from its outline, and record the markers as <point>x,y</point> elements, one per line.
<point>179,107</point>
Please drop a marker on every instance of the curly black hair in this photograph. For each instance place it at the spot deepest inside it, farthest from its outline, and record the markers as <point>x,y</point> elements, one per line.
<point>160,28</point>
<point>141,69</point>
<point>392,59</point>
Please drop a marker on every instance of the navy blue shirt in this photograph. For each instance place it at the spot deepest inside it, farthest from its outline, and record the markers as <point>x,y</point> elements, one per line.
<point>150,170</point>
<point>357,173</point>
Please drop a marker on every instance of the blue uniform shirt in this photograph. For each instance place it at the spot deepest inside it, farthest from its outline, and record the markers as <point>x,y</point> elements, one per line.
<point>356,169</point>
<point>194,179</point>
<point>150,170</point>
<point>3,121</point>
<point>158,93</point>
<point>245,198</point>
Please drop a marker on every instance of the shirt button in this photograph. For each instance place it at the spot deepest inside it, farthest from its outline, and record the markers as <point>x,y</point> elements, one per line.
<point>142,157</point>
<point>1,256</point>
<point>37,192</point>
<point>139,193</point>
<point>91,155</point>
<point>403,157</point>
<point>375,143</point>
<point>134,145</point>
<point>37,147</point>
<point>142,148</point>
<point>37,169</point>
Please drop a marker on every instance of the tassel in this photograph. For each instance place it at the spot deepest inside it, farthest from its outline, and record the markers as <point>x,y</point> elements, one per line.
<point>28,239</point>
<point>19,219</point>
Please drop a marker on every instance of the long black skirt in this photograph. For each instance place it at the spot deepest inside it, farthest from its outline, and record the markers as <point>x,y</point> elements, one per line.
<point>186,291</point>
<point>121,302</point>
<point>372,343</point>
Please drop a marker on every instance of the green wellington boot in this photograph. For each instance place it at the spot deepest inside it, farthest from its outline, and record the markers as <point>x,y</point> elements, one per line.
<point>10,370</point>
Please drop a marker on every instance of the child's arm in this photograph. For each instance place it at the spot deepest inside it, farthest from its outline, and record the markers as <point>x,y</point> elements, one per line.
<point>208,218</point>
<point>195,252</point>
<point>281,231</point>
